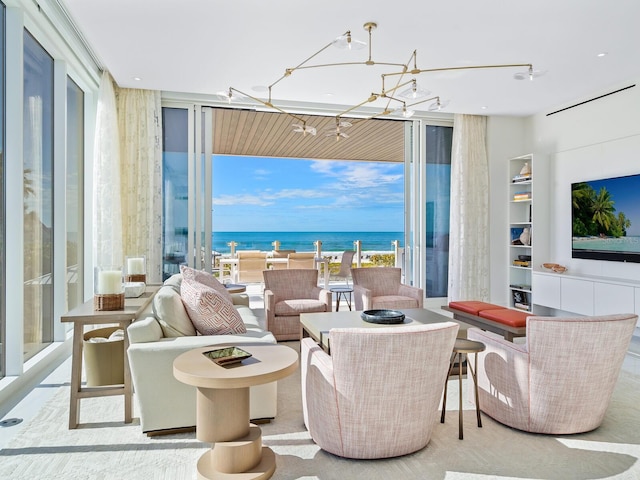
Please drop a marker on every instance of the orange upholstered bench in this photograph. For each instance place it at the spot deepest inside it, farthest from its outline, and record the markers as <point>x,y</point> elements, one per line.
<point>507,322</point>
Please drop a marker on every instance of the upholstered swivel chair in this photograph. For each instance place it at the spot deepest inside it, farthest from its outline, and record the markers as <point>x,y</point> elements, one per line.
<point>250,266</point>
<point>378,394</point>
<point>302,260</point>
<point>287,294</point>
<point>380,288</point>
<point>561,380</point>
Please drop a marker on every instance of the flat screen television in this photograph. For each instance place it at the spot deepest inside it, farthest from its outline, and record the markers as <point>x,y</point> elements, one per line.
<point>605,219</point>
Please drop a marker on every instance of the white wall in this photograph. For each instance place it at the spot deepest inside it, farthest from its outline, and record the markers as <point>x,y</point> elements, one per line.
<point>506,137</point>
<point>595,140</point>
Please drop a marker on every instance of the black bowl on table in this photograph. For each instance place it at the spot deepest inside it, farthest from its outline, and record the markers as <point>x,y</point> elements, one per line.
<point>383,316</point>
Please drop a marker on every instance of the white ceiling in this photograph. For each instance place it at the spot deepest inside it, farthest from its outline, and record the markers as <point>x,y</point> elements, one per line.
<point>204,46</point>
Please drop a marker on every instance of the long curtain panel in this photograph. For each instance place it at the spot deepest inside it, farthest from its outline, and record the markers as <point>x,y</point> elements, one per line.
<point>469,234</point>
<point>107,213</point>
<point>140,126</point>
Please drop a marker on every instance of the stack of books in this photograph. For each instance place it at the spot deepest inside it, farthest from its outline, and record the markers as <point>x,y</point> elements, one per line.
<point>519,196</point>
<point>521,178</point>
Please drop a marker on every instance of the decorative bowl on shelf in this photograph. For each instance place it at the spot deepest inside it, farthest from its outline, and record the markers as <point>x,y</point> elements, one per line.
<point>555,267</point>
<point>382,316</point>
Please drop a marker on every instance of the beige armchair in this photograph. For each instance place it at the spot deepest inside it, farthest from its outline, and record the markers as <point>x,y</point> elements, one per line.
<point>379,288</point>
<point>561,380</point>
<point>378,394</point>
<point>287,294</point>
<point>251,264</point>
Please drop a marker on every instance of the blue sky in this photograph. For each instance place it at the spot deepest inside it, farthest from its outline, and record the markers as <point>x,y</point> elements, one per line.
<point>275,194</point>
<point>625,192</point>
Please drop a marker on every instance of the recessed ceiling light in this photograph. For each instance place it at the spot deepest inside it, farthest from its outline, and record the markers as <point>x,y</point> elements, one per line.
<point>137,79</point>
<point>602,54</point>
<point>483,107</point>
<point>328,94</point>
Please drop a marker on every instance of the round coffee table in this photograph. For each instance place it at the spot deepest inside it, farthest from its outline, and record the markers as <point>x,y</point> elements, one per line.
<point>222,416</point>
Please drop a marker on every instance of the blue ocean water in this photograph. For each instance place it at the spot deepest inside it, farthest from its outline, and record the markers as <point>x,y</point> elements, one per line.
<point>304,241</point>
<point>622,244</point>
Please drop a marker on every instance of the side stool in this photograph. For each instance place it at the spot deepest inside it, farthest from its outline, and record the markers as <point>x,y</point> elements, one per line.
<point>462,347</point>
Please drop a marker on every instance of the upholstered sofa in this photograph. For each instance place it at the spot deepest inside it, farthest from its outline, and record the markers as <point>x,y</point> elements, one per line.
<point>166,332</point>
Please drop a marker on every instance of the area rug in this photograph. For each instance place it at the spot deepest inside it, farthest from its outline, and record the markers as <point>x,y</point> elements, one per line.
<point>105,448</point>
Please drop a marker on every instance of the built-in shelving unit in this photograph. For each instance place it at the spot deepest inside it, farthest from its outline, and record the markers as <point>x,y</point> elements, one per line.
<point>521,200</point>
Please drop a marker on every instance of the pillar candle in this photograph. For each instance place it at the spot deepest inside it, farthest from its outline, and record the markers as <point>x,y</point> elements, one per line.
<point>109,282</point>
<point>135,266</point>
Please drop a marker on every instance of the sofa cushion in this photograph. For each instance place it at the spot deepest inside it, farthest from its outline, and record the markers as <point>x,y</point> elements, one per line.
<point>393,302</point>
<point>174,281</point>
<point>205,278</point>
<point>473,307</point>
<point>171,314</point>
<point>209,311</point>
<point>298,306</point>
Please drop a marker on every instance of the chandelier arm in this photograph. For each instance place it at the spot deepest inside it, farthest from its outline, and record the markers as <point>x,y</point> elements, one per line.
<point>341,64</point>
<point>368,100</point>
<point>437,97</point>
<point>289,71</point>
<point>472,67</point>
<point>269,105</point>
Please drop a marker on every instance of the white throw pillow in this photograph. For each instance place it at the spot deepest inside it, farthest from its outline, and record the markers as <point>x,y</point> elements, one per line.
<point>209,311</point>
<point>171,314</point>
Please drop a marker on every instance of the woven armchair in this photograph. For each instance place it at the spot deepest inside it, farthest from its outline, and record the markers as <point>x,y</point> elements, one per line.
<point>379,288</point>
<point>378,394</point>
<point>561,380</point>
<point>287,294</point>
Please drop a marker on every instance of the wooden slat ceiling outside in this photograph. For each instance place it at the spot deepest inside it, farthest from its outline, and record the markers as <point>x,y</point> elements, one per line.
<point>267,134</point>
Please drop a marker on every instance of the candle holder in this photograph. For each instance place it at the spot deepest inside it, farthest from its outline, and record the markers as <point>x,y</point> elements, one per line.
<point>108,288</point>
<point>135,269</point>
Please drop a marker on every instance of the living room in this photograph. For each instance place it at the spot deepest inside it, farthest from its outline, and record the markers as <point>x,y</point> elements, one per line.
<point>591,135</point>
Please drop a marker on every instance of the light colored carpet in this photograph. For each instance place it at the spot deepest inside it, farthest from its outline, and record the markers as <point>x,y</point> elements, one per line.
<point>104,448</point>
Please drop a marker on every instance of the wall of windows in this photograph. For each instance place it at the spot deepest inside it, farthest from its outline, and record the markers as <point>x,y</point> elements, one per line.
<point>2,193</point>
<point>38,196</point>
<point>74,195</point>
<point>438,186</point>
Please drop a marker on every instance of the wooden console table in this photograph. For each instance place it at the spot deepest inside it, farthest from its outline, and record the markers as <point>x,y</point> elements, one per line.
<point>85,315</point>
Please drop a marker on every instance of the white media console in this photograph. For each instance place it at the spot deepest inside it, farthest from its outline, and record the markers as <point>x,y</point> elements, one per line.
<point>586,295</point>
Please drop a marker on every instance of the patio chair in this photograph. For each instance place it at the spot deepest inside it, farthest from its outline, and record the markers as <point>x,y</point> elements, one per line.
<point>251,264</point>
<point>380,288</point>
<point>302,260</point>
<point>561,380</point>
<point>378,394</point>
<point>280,254</point>
<point>345,266</point>
<point>287,294</point>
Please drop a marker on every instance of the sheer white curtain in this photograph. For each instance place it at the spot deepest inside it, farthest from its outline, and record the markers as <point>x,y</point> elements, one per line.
<point>107,224</point>
<point>469,227</point>
<point>140,126</point>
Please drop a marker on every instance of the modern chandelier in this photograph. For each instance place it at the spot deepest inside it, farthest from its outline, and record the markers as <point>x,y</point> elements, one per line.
<point>400,92</point>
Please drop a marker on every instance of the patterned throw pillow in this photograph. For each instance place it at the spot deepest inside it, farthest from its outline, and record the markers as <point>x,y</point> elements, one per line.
<point>209,311</point>
<point>205,278</point>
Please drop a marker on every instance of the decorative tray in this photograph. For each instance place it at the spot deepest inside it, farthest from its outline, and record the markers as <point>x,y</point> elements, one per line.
<point>227,355</point>
<point>382,316</point>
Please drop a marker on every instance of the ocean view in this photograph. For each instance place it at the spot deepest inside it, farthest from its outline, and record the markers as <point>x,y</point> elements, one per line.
<point>622,244</point>
<point>304,241</point>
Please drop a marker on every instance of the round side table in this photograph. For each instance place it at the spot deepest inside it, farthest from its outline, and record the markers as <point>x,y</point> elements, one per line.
<point>462,347</point>
<point>344,292</point>
<point>222,400</point>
